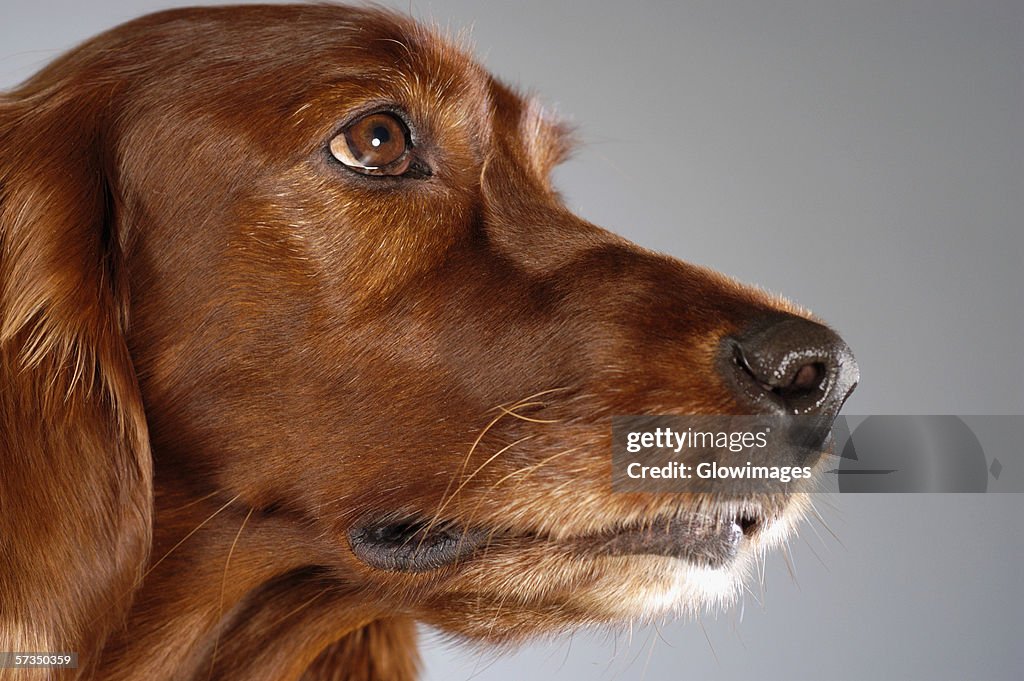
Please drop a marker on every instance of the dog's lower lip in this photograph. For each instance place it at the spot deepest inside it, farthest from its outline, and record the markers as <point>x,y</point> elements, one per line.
<point>416,545</point>
<point>697,539</point>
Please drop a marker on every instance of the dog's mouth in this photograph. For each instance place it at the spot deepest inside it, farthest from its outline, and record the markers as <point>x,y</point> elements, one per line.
<point>698,539</point>
<point>415,544</point>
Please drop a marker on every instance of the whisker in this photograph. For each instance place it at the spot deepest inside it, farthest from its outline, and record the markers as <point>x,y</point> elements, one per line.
<point>494,456</point>
<point>753,595</point>
<point>700,621</point>
<point>815,553</point>
<point>223,588</point>
<point>532,397</point>
<point>820,519</point>
<point>465,482</point>
<point>525,471</point>
<point>527,418</point>
<point>187,536</point>
<point>818,535</point>
<point>528,470</point>
<point>138,582</point>
<point>568,650</point>
<point>504,411</point>
<point>761,581</point>
<point>650,653</point>
<point>462,470</point>
<point>194,502</point>
<point>788,558</point>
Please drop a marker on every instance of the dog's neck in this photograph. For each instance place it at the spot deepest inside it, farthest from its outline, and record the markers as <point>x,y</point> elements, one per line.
<point>228,583</point>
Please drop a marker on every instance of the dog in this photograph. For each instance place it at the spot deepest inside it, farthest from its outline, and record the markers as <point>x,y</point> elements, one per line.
<point>299,346</point>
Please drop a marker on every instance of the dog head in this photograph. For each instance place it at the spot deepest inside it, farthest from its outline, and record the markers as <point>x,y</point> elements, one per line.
<point>312,258</point>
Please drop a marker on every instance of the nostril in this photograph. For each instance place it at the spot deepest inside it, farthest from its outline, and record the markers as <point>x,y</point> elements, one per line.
<point>797,364</point>
<point>808,378</point>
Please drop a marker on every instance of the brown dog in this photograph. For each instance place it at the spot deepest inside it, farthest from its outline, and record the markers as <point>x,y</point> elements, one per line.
<point>299,346</point>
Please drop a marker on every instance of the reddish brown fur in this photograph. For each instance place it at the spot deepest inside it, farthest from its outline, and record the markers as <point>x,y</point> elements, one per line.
<point>219,350</point>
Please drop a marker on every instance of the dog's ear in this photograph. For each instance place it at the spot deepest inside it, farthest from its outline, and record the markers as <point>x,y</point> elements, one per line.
<point>75,469</point>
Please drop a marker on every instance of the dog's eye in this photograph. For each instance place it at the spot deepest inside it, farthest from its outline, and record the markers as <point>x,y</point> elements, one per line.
<point>376,144</point>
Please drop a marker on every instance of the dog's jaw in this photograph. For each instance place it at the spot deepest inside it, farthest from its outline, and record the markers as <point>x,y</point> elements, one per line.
<point>517,590</point>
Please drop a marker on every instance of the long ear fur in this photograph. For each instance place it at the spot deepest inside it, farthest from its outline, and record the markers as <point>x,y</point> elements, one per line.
<point>75,469</point>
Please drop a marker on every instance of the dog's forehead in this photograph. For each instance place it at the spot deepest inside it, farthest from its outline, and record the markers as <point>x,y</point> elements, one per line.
<point>318,66</point>
<point>424,65</point>
<point>419,65</point>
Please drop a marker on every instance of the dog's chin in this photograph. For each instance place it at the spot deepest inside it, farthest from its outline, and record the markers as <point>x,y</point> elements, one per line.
<point>644,587</point>
<point>522,597</point>
<point>652,582</point>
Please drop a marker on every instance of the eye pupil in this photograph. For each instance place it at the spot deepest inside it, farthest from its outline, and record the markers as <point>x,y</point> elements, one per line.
<point>380,136</point>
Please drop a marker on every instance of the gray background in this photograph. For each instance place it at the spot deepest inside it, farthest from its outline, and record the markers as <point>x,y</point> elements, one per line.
<point>863,158</point>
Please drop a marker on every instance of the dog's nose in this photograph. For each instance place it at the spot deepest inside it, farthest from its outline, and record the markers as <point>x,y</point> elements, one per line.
<point>793,365</point>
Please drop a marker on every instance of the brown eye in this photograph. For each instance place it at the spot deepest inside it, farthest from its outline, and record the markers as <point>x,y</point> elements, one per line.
<point>376,144</point>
